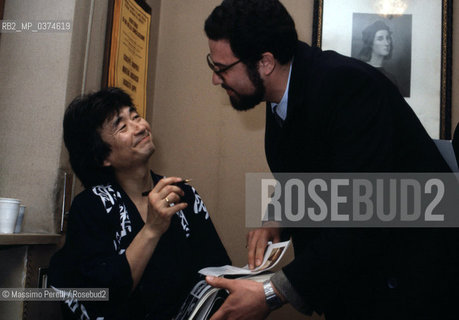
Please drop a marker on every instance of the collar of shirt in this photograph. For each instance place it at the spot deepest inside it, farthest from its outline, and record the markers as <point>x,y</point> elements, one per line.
<point>281,107</point>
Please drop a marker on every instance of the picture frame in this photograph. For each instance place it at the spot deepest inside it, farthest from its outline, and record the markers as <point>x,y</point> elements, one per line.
<point>127,36</point>
<point>418,58</point>
<point>2,7</point>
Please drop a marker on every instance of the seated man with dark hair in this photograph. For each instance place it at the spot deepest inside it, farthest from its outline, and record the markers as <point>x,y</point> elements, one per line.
<point>146,247</point>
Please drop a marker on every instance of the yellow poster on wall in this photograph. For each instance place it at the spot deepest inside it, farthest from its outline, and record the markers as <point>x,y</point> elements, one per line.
<point>129,51</point>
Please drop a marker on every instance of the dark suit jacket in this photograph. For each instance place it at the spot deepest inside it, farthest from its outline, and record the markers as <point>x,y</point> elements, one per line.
<point>345,116</point>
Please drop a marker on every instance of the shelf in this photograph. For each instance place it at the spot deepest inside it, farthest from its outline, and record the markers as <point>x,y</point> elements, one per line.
<point>29,238</point>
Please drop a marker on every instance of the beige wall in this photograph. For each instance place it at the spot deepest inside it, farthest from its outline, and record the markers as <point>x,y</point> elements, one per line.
<point>32,95</point>
<point>41,73</point>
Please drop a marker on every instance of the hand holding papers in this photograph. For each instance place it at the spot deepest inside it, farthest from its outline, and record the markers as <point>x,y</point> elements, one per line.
<point>204,300</point>
<point>273,254</point>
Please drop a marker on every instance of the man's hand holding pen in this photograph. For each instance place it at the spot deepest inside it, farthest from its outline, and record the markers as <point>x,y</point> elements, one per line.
<point>160,199</point>
<point>145,193</point>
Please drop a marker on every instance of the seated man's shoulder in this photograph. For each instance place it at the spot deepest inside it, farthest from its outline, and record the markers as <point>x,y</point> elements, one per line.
<point>95,202</point>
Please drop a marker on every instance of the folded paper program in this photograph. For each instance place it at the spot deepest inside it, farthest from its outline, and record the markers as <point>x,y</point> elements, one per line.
<point>273,254</point>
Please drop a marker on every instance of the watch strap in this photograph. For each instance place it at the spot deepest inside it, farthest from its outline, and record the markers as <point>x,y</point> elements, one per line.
<point>272,300</point>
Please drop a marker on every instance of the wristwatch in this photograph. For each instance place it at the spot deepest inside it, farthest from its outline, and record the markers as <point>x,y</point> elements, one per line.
<point>272,300</point>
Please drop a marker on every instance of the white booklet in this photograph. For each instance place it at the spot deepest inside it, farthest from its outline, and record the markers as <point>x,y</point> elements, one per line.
<point>273,254</point>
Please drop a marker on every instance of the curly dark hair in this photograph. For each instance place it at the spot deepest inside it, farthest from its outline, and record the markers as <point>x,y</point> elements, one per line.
<point>83,120</point>
<point>253,27</point>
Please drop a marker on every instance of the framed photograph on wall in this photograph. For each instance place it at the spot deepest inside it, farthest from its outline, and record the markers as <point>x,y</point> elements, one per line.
<point>126,49</point>
<point>2,6</point>
<point>408,41</point>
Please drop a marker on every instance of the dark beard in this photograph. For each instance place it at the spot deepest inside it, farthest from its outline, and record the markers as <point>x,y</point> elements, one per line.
<point>247,102</point>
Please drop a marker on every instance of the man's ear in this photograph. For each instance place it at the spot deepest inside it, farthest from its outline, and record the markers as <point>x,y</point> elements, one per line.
<point>107,163</point>
<point>267,63</point>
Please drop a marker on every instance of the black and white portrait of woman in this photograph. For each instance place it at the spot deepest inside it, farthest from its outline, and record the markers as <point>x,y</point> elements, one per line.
<point>384,43</point>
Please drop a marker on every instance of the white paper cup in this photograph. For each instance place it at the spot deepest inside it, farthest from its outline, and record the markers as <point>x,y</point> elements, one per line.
<point>18,226</point>
<point>9,211</point>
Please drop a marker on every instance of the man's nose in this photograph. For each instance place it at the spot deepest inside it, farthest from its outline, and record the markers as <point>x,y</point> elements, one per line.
<point>216,79</point>
<point>138,127</point>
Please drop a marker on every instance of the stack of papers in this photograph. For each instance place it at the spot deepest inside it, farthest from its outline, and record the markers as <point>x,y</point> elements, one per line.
<point>273,254</point>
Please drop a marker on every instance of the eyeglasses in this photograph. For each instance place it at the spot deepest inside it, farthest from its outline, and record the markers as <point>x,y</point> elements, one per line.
<point>219,69</point>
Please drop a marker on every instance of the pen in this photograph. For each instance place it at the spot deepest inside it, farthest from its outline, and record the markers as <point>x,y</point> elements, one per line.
<point>145,193</point>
